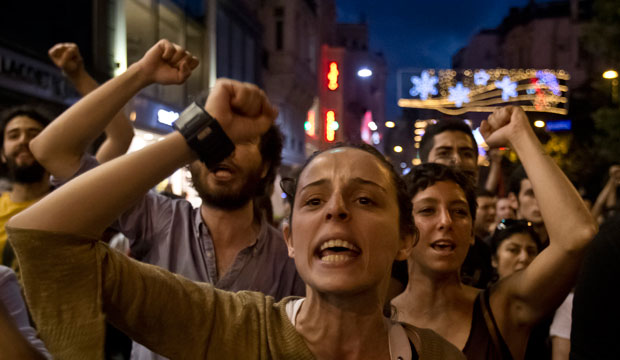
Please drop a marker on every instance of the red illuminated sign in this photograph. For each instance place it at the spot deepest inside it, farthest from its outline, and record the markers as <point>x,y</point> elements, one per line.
<point>332,76</point>
<point>331,125</point>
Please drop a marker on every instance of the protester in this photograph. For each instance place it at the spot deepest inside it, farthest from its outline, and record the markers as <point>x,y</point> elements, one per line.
<point>19,125</point>
<point>504,210</point>
<point>514,245</point>
<point>350,221</point>
<point>491,324</point>
<point>485,213</point>
<point>521,192</point>
<point>451,142</point>
<point>226,241</point>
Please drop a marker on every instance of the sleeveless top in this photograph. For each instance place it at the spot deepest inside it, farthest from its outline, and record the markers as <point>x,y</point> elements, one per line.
<point>485,341</point>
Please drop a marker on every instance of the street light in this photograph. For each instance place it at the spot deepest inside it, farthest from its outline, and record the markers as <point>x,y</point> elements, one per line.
<point>613,76</point>
<point>364,72</point>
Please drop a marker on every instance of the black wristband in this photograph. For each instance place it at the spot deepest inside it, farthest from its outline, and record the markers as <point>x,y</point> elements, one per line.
<point>204,135</point>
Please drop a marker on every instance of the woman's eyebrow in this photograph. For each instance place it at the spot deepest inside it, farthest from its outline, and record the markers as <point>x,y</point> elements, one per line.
<point>362,181</point>
<point>315,183</point>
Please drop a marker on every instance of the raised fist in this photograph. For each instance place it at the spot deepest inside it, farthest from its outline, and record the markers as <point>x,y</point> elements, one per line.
<point>504,125</point>
<point>167,63</point>
<point>67,57</point>
<point>242,109</point>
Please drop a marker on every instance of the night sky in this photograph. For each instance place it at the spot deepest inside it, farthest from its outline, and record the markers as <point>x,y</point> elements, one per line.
<point>422,34</point>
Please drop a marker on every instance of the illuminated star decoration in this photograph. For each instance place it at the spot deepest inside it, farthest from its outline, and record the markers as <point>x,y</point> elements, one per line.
<point>459,94</point>
<point>509,88</point>
<point>550,80</point>
<point>423,85</point>
<point>481,78</point>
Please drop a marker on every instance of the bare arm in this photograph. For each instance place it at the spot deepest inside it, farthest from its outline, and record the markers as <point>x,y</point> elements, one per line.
<point>12,344</point>
<point>548,279</point>
<point>61,145</point>
<point>560,348</point>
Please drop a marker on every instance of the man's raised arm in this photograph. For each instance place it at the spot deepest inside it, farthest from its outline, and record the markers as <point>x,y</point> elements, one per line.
<point>61,145</point>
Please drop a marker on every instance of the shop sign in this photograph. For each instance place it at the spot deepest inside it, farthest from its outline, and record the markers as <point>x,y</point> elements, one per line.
<point>33,77</point>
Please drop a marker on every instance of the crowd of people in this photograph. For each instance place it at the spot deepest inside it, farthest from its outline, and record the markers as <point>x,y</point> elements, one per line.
<point>368,265</point>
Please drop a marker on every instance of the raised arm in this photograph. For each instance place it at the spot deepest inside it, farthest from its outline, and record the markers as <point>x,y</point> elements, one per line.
<point>89,203</point>
<point>543,285</point>
<point>61,145</point>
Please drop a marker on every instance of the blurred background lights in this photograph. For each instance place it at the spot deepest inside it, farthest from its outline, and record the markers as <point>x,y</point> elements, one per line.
<point>376,138</point>
<point>364,72</point>
<point>372,126</point>
<point>610,74</point>
<point>539,124</point>
<point>403,165</point>
<point>389,124</point>
<point>416,161</point>
<point>398,148</point>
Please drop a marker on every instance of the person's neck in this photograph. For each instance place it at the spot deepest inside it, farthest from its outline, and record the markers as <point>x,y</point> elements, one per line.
<point>334,327</point>
<point>231,228</point>
<point>22,192</point>
<point>430,295</point>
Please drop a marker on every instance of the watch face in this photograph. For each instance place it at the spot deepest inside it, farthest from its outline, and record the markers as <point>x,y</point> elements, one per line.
<point>192,112</point>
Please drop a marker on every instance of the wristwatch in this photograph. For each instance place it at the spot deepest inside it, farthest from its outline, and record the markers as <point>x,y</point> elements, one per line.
<point>204,135</point>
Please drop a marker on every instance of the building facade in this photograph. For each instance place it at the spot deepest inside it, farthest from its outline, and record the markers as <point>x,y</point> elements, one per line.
<point>291,45</point>
<point>351,89</point>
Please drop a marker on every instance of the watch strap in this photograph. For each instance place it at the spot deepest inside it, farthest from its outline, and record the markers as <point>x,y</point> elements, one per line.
<point>204,135</point>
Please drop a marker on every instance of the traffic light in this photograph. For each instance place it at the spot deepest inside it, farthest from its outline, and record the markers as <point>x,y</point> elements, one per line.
<point>331,125</point>
<point>332,76</point>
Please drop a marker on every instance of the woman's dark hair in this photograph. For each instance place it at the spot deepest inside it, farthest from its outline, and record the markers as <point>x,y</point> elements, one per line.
<point>508,227</point>
<point>407,227</point>
<point>425,175</point>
